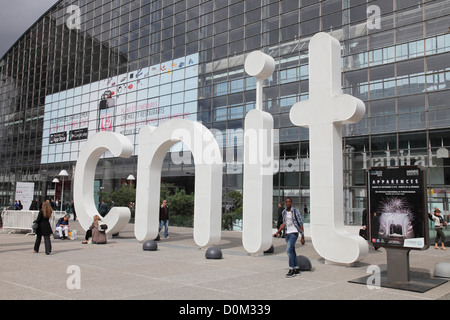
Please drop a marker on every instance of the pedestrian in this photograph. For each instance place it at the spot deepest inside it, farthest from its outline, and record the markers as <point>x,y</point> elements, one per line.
<point>103,209</point>
<point>52,203</point>
<point>292,220</point>
<point>44,229</point>
<point>34,205</point>
<point>305,213</point>
<point>364,231</point>
<point>164,218</point>
<point>72,205</point>
<point>439,223</point>
<point>280,219</point>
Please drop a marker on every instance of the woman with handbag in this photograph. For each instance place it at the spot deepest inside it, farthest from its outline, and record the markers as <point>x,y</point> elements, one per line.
<point>44,229</point>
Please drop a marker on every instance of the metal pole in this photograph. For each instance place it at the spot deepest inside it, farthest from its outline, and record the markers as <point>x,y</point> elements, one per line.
<point>62,195</point>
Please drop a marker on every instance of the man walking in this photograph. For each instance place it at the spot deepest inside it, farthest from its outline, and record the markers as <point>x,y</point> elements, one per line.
<point>292,220</point>
<point>164,218</point>
<point>103,209</point>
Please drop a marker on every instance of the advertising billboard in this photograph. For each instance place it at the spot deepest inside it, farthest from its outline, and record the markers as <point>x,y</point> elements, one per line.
<point>123,104</point>
<point>24,193</point>
<point>397,207</point>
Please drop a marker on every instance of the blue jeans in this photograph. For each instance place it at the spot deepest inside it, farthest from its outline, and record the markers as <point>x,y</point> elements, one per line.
<point>291,239</point>
<point>164,223</point>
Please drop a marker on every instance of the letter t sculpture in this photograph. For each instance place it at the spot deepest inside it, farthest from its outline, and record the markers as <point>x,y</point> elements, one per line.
<point>324,113</point>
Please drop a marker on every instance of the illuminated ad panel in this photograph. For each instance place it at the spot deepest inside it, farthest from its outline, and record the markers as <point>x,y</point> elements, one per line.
<point>397,207</point>
<point>123,104</point>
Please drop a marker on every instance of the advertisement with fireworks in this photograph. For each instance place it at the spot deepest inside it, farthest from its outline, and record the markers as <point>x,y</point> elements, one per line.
<point>397,207</point>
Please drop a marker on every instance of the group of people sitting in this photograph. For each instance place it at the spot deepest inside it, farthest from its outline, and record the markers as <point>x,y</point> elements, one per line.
<point>43,229</point>
<point>95,231</point>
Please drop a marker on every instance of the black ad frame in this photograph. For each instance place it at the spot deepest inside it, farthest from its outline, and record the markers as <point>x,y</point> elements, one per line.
<point>397,207</point>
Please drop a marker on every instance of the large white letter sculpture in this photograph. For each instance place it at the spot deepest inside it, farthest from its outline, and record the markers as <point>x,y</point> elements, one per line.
<point>154,143</point>
<point>258,162</point>
<point>324,113</point>
<point>83,193</point>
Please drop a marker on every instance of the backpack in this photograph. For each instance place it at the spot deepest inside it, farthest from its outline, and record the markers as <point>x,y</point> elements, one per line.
<point>102,227</point>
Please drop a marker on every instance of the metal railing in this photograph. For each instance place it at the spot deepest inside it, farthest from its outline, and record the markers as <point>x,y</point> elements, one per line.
<point>22,220</point>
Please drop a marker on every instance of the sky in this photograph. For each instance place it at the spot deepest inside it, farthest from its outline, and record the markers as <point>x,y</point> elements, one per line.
<point>16,16</point>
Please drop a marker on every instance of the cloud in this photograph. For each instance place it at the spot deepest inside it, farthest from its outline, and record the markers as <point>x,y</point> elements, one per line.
<point>17,16</point>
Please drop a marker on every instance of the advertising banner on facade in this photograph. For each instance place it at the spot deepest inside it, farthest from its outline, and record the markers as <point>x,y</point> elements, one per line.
<point>397,207</point>
<point>24,193</point>
<point>122,104</point>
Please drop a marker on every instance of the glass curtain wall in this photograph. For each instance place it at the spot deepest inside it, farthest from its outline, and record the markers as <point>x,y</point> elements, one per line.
<point>395,58</point>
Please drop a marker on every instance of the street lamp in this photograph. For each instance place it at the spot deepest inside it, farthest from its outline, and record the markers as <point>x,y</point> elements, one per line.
<point>55,181</point>
<point>63,173</point>
<point>101,195</point>
<point>131,178</point>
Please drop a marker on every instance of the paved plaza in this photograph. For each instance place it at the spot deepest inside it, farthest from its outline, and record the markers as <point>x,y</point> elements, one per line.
<point>179,270</point>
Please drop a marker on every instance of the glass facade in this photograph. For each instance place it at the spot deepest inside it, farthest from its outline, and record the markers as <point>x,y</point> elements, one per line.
<point>396,58</point>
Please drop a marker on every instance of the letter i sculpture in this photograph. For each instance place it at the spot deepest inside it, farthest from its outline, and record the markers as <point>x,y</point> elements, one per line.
<point>324,113</point>
<point>258,162</point>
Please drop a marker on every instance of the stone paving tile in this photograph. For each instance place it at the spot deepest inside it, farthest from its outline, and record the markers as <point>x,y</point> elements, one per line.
<point>179,270</point>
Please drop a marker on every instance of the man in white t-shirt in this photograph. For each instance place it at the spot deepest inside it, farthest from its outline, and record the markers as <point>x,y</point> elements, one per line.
<point>292,220</point>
